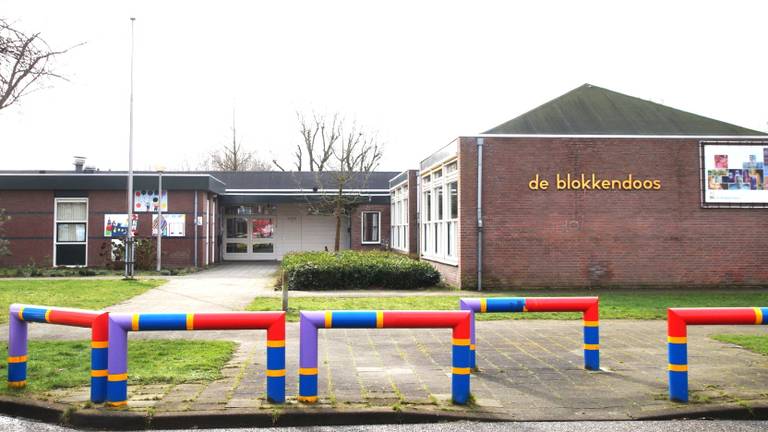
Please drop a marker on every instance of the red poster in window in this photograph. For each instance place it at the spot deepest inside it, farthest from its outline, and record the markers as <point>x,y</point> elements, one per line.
<point>262,228</point>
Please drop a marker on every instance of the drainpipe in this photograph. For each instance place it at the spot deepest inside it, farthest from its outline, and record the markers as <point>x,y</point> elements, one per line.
<point>480,142</point>
<point>194,224</point>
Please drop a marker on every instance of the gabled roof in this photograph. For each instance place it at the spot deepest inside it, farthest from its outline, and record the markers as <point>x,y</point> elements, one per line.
<point>591,110</point>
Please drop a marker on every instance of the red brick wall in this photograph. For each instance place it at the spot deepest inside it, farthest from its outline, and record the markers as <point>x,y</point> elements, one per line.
<point>30,230</point>
<point>357,231</point>
<point>603,238</point>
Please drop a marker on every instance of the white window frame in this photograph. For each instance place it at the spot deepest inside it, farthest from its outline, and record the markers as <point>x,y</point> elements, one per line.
<point>435,248</point>
<point>398,220</point>
<point>362,227</point>
<point>56,242</point>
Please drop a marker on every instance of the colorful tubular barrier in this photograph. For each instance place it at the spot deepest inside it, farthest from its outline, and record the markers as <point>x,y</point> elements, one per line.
<point>310,322</point>
<point>678,320</point>
<point>121,324</point>
<point>21,314</point>
<point>587,305</point>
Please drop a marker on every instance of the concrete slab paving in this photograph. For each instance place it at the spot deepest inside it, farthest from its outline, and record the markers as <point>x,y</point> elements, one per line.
<point>529,369</point>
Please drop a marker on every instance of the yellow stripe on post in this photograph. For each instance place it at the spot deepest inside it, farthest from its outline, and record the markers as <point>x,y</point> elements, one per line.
<point>17,359</point>
<point>678,368</point>
<point>190,321</point>
<point>118,377</point>
<point>275,343</point>
<point>758,315</point>
<point>99,344</point>
<point>677,339</point>
<point>591,323</point>
<point>135,322</point>
<point>48,316</point>
<point>591,346</point>
<point>275,372</point>
<point>117,404</point>
<point>307,371</point>
<point>483,305</point>
<point>379,319</point>
<point>472,347</point>
<point>99,373</point>
<point>328,319</point>
<point>460,371</point>
<point>17,384</point>
<point>21,313</point>
<point>462,342</point>
<point>310,399</point>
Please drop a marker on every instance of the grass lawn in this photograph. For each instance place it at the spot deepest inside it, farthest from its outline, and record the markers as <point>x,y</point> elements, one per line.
<point>754,343</point>
<point>55,365</point>
<point>613,304</point>
<point>77,293</point>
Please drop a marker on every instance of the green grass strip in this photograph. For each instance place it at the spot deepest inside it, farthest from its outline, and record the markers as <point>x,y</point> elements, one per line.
<point>613,305</point>
<point>76,293</point>
<point>754,343</point>
<point>66,364</point>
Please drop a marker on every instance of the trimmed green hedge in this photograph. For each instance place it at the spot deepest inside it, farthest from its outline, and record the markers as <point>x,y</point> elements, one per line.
<point>356,270</point>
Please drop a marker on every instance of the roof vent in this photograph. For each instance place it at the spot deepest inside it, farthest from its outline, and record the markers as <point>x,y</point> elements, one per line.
<point>79,163</point>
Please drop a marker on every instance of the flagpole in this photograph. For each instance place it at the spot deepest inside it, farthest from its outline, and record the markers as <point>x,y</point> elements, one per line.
<point>129,252</point>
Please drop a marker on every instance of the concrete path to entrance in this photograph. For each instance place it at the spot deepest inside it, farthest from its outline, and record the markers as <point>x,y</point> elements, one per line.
<point>225,287</point>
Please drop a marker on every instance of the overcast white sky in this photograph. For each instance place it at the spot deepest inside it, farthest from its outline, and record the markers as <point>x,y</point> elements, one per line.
<point>420,73</point>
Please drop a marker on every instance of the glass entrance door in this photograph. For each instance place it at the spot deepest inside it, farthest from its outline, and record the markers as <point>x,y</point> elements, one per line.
<point>249,234</point>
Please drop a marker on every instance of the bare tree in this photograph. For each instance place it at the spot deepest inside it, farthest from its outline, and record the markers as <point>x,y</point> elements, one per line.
<point>233,157</point>
<point>341,157</point>
<point>24,61</point>
<point>319,136</point>
<point>4,243</point>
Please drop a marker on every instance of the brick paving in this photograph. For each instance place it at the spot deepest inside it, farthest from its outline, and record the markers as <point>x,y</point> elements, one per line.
<point>529,369</point>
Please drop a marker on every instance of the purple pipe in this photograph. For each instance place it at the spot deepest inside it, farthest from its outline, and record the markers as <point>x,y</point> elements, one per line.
<point>17,333</point>
<point>308,325</point>
<point>118,343</point>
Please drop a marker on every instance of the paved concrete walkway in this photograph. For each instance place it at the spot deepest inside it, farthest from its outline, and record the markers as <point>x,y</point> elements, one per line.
<point>529,370</point>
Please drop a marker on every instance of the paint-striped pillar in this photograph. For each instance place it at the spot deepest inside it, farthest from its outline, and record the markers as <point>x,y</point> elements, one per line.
<point>276,361</point>
<point>308,324</point>
<point>99,349</point>
<point>117,375</point>
<point>17,348</point>
<point>677,348</point>
<point>592,338</point>
<point>460,364</point>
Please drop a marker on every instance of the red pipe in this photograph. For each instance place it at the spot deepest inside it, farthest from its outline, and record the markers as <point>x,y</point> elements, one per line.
<point>715,316</point>
<point>72,318</point>
<point>235,321</point>
<point>559,304</point>
<point>429,319</point>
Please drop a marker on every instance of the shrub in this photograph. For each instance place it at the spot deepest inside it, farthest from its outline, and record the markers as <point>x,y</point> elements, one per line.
<point>356,270</point>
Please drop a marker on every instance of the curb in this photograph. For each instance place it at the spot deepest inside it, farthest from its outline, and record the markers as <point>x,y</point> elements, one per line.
<point>90,418</point>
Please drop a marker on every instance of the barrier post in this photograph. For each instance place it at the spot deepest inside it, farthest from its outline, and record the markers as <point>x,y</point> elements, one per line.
<point>121,324</point>
<point>589,306</point>
<point>311,321</point>
<point>678,320</point>
<point>20,315</point>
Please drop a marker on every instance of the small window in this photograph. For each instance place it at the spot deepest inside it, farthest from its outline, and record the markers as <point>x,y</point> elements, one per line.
<point>451,167</point>
<point>437,174</point>
<point>371,228</point>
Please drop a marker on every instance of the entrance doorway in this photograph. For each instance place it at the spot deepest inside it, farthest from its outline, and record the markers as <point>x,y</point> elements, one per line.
<point>249,233</point>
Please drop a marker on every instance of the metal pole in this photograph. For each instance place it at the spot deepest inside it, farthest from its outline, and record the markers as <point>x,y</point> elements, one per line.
<point>129,254</point>
<point>159,219</point>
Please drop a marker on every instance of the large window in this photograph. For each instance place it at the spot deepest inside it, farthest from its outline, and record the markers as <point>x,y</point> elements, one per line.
<point>371,227</point>
<point>399,218</point>
<point>440,212</point>
<point>71,231</point>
